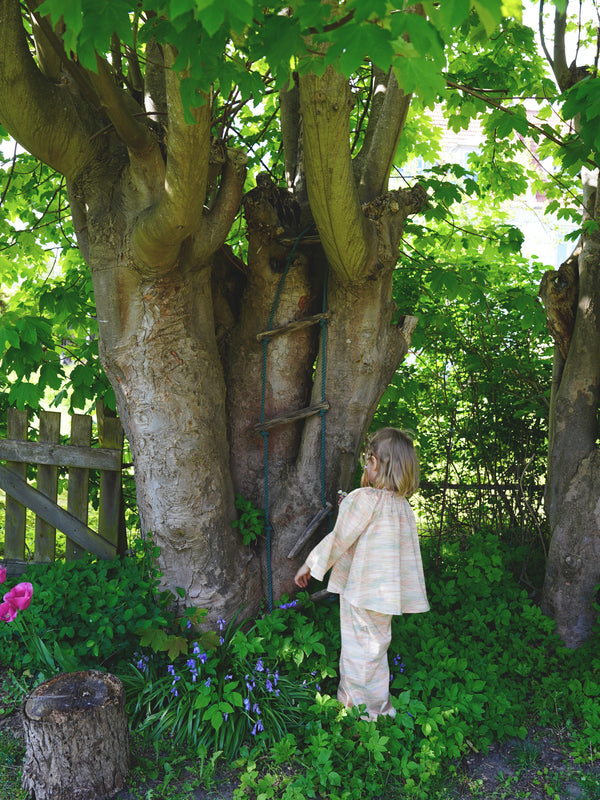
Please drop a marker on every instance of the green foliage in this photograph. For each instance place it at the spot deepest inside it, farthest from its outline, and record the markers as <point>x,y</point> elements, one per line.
<point>238,689</point>
<point>479,667</point>
<point>251,520</point>
<point>476,391</point>
<point>91,610</point>
<point>13,751</point>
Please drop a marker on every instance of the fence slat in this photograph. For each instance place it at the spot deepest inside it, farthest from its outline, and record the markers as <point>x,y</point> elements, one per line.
<point>55,516</point>
<point>79,481</point>
<point>110,434</point>
<point>47,484</point>
<point>16,513</point>
<point>62,455</point>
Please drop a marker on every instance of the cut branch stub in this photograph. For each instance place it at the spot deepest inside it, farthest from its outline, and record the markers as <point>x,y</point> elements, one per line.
<point>558,292</point>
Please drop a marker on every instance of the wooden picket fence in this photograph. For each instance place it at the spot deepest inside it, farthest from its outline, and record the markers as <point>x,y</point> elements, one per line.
<point>47,454</point>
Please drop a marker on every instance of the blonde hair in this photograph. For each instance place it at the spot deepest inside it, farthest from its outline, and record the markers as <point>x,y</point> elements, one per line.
<point>397,461</point>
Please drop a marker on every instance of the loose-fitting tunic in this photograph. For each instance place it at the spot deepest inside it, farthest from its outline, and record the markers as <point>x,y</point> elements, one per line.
<point>376,566</point>
<point>375,554</point>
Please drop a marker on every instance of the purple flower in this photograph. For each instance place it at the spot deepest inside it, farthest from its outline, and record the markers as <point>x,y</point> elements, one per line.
<point>398,662</point>
<point>269,686</point>
<point>228,677</point>
<point>259,665</point>
<point>256,709</point>
<point>225,716</point>
<point>293,604</point>
<point>221,623</point>
<point>247,704</point>
<point>207,682</point>
<point>188,624</point>
<point>250,684</point>
<point>257,727</point>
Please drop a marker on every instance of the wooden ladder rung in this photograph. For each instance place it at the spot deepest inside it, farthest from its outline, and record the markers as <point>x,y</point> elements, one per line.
<point>292,416</point>
<point>288,241</point>
<point>310,529</point>
<point>290,327</point>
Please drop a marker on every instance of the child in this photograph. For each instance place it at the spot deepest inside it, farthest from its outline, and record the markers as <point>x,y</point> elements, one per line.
<point>377,569</point>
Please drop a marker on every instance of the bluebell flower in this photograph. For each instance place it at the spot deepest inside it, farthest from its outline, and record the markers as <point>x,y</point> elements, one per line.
<point>171,669</point>
<point>207,682</point>
<point>293,604</point>
<point>225,716</point>
<point>247,703</point>
<point>256,709</point>
<point>221,640</point>
<point>257,727</point>
<point>250,683</point>
<point>275,677</point>
<point>228,677</point>
<point>259,666</point>
<point>142,663</point>
<point>188,624</point>
<point>221,623</point>
<point>269,686</point>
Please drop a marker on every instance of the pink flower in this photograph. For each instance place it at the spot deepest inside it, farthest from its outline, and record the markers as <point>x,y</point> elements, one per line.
<point>2,574</point>
<point>20,596</point>
<point>8,612</point>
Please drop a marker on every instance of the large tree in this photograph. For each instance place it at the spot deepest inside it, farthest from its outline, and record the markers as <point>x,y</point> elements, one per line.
<point>137,106</point>
<point>572,299</point>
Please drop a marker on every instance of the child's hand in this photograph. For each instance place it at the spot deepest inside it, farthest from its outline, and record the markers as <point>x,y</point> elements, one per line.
<point>302,576</point>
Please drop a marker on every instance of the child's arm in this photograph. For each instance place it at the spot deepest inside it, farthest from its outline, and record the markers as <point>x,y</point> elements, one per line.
<point>302,576</point>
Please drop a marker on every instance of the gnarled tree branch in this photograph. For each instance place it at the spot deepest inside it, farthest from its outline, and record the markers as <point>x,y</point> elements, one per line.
<point>346,235</point>
<point>134,134</point>
<point>217,223</point>
<point>389,109</point>
<point>40,115</point>
<point>161,230</point>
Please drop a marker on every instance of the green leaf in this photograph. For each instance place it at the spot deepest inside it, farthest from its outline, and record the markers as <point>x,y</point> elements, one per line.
<point>490,14</point>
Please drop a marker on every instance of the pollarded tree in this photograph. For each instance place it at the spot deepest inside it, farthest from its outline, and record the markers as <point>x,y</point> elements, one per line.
<point>139,107</point>
<point>571,296</point>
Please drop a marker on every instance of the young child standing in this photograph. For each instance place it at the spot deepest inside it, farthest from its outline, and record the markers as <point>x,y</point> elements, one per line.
<point>377,569</point>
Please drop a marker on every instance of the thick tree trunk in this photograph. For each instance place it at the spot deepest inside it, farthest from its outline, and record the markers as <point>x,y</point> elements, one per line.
<point>573,485</point>
<point>76,738</point>
<point>159,350</point>
<point>573,569</point>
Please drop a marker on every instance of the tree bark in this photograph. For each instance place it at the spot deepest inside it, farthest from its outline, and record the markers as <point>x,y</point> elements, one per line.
<point>153,199</point>
<point>76,737</point>
<point>572,497</point>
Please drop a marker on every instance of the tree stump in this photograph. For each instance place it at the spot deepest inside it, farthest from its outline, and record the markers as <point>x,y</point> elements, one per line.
<point>76,736</point>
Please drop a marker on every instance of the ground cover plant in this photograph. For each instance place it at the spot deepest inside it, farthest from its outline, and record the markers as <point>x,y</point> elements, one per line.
<point>259,696</point>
